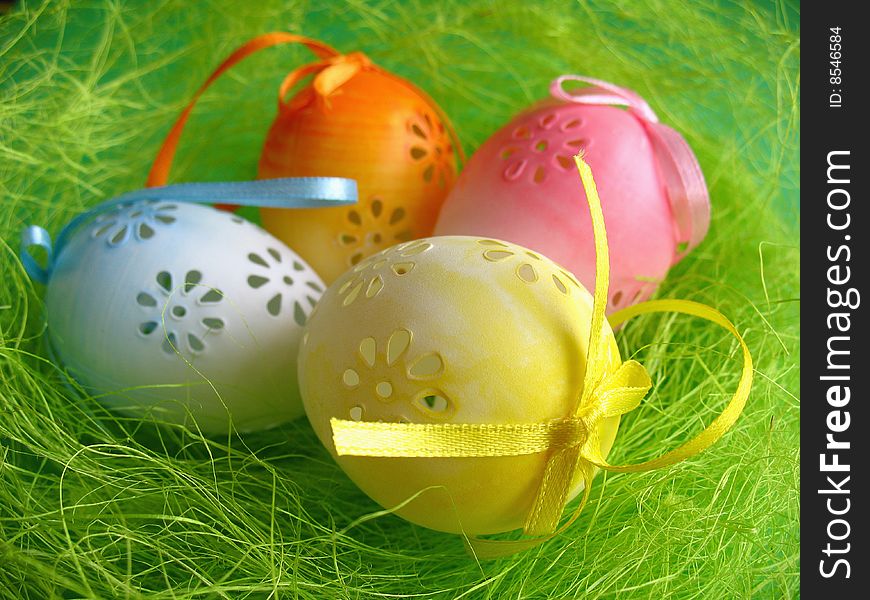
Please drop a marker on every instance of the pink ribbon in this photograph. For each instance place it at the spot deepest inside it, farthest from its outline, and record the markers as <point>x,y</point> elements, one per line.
<point>683,179</point>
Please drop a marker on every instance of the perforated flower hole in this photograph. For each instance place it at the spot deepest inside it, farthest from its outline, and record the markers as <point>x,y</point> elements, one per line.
<point>527,273</point>
<point>191,280</point>
<point>560,285</point>
<point>385,372</point>
<point>522,133</point>
<point>553,139</point>
<point>514,170</point>
<point>432,402</point>
<point>529,267</point>
<point>430,148</point>
<point>276,277</point>
<point>413,248</point>
<point>177,310</point>
<point>565,162</point>
<point>371,275</point>
<point>138,220</point>
<point>373,228</point>
<point>402,268</point>
<point>571,279</point>
<point>547,121</point>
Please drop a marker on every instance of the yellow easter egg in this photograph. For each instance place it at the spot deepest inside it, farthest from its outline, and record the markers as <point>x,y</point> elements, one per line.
<point>450,330</point>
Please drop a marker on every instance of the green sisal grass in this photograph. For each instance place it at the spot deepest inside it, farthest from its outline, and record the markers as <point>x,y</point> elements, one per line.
<point>92,505</point>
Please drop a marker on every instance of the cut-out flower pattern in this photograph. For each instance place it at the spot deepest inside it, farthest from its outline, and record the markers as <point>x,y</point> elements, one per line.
<point>535,149</point>
<point>373,227</point>
<point>180,312</point>
<point>139,220</point>
<point>385,373</point>
<point>530,266</point>
<point>274,275</point>
<point>369,277</point>
<point>431,148</point>
<point>531,269</point>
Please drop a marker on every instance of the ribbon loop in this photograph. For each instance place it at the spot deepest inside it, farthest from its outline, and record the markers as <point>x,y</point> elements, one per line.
<point>602,92</point>
<point>685,185</point>
<point>621,391</point>
<point>159,174</point>
<point>681,174</point>
<point>30,237</point>
<point>722,423</point>
<point>331,70</point>
<point>340,70</point>
<point>332,73</point>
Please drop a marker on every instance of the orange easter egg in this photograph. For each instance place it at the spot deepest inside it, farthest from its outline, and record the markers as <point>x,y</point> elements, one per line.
<point>355,120</point>
<point>358,121</point>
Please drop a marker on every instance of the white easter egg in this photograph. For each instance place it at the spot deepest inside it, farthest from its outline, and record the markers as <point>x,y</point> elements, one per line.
<point>183,313</point>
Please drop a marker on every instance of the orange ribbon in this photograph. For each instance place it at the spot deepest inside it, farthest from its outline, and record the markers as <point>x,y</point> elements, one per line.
<point>330,73</point>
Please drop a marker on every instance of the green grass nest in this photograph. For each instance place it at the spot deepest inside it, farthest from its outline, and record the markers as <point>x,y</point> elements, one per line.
<point>97,506</point>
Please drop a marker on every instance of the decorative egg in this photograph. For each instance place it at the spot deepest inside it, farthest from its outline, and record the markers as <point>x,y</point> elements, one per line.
<point>182,312</point>
<point>356,120</point>
<point>521,186</point>
<point>450,330</point>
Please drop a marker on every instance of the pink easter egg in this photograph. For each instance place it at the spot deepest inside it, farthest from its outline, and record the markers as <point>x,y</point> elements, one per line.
<point>522,186</point>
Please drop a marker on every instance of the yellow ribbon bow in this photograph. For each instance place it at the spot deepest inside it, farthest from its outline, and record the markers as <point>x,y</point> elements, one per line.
<point>573,442</point>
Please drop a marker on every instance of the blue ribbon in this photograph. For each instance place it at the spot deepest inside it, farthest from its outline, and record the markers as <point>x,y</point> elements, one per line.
<point>288,192</point>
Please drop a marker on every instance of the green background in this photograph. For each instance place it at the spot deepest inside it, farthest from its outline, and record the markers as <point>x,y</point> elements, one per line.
<point>92,505</point>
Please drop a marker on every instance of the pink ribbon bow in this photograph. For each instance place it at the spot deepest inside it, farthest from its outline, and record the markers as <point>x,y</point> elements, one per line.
<point>683,179</point>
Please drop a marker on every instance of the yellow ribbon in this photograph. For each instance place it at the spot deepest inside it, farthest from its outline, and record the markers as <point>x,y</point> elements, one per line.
<point>573,442</point>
